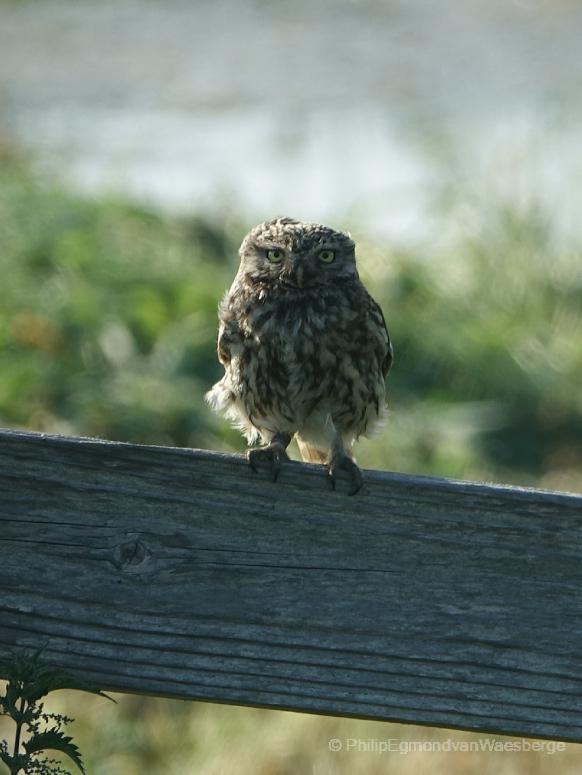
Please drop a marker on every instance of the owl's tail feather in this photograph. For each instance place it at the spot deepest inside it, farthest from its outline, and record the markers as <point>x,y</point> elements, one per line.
<point>311,454</point>
<point>225,402</point>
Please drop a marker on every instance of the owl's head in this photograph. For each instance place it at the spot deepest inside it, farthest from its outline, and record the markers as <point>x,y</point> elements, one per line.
<point>293,254</point>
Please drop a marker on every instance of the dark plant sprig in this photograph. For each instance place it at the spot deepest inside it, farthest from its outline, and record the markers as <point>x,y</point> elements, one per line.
<point>28,681</point>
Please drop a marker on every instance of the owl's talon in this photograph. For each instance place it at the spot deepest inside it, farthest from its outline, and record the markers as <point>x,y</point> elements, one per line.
<point>346,464</point>
<point>273,453</point>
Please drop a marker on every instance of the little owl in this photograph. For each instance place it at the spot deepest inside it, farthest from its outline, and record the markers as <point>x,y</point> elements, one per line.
<point>304,347</point>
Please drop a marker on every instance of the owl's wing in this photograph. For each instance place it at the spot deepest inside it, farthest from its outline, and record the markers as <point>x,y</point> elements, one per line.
<point>229,336</point>
<point>387,356</point>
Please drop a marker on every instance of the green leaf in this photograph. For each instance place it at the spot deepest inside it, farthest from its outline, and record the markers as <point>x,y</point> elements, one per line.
<point>8,760</point>
<point>16,763</point>
<point>8,702</point>
<point>56,741</point>
<point>50,679</point>
<point>30,679</point>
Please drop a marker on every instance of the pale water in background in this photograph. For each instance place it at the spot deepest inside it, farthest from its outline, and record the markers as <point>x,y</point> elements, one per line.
<point>358,111</point>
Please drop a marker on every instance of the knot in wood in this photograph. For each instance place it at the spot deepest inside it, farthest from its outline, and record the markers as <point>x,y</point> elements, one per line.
<point>130,554</point>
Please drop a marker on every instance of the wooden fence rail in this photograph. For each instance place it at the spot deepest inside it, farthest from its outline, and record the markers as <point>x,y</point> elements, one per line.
<point>180,573</point>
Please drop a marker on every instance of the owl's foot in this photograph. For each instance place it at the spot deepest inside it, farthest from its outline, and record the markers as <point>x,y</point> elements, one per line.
<point>274,453</point>
<point>345,463</point>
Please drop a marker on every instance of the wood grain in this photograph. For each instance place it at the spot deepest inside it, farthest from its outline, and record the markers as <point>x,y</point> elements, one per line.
<point>181,573</point>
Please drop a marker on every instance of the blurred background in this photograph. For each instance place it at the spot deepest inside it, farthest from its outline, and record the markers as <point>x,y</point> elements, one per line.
<point>139,140</point>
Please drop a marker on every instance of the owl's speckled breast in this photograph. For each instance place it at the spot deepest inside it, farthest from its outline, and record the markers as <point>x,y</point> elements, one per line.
<point>310,351</point>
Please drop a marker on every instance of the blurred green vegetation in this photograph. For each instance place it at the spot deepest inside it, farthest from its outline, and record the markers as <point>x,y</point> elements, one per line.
<point>108,328</point>
<point>108,320</point>
<point>146,736</point>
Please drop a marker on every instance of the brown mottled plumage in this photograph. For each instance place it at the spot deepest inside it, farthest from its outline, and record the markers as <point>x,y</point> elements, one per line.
<point>304,347</point>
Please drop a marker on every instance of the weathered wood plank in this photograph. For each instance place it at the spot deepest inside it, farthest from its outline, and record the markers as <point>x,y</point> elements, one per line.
<point>181,573</point>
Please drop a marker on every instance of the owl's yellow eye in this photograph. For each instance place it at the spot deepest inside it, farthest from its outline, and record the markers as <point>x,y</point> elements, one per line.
<point>327,256</point>
<point>275,256</point>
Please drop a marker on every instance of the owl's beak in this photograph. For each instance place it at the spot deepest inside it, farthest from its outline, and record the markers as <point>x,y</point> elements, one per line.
<point>297,275</point>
